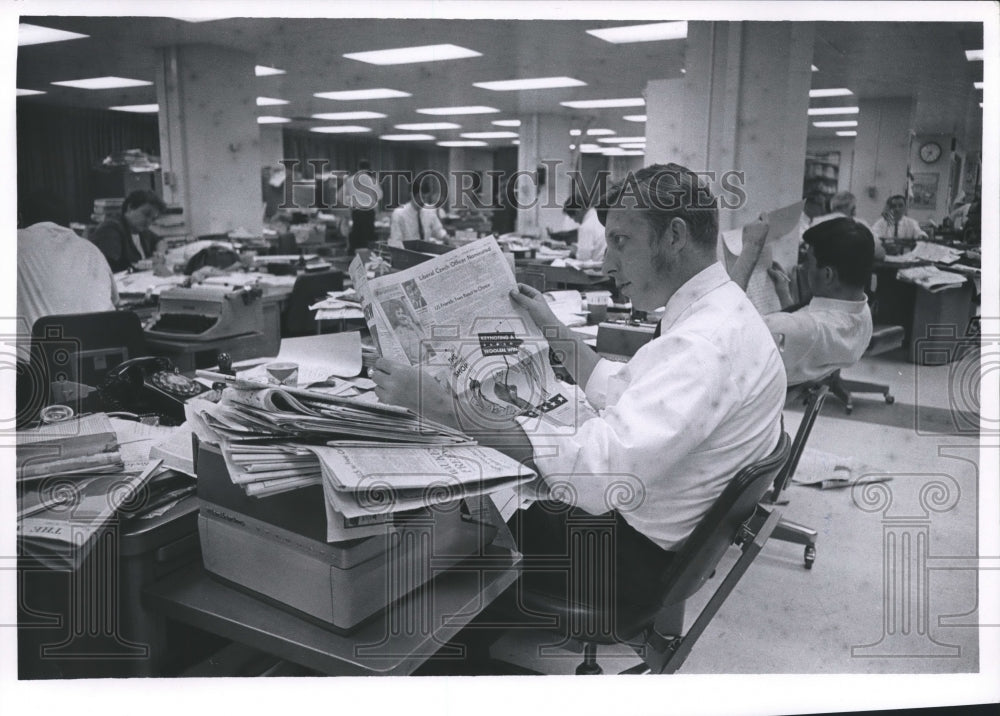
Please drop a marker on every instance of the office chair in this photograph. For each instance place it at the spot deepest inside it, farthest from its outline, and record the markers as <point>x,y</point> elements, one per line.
<point>885,338</point>
<point>657,635</point>
<point>297,319</point>
<point>814,395</point>
<point>79,348</point>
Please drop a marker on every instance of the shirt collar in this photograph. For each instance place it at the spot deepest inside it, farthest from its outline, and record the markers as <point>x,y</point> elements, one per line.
<point>694,289</point>
<point>819,303</point>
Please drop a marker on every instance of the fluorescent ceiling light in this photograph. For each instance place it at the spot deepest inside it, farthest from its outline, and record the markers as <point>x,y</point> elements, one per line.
<point>815,68</point>
<point>845,123</point>
<point>529,84</point>
<point>814,111</point>
<point>267,101</point>
<point>458,110</point>
<point>621,140</point>
<point>407,137</point>
<point>633,145</point>
<point>347,95</point>
<point>490,135</point>
<point>272,120</point>
<point>264,71</point>
<point>99,83</point>
<point>342,129</point>
<point>506,122</point>
<point>38,35</point>
<point>605,103</point>
<point>141,108</point>
<point>830,92</point>
<point>642,33</point>
<point>974,55</point>
<point>335,116</point>
<point>847,133</point>
<point>422,126</point>
<point>575,132</point>
<point>977,85</point>
<point>409,55</point>
<point>599,132</point>
<point>461,143</point>
<point>634,118</point>
<point>25,93</point>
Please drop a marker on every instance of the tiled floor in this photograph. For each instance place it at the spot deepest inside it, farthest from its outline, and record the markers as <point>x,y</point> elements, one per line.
<point>847,614</point>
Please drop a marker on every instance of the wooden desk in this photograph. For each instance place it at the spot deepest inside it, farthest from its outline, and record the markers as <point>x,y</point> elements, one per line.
<point>394,643</point>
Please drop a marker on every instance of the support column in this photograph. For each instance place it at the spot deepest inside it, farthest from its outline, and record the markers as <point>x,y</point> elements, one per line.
<point>881,152</point>
<point>741,106</point>
<point>544,148</point>
<point>209,137</point>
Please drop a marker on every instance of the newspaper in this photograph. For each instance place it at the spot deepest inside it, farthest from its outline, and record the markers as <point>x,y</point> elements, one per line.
<point>453,315</point>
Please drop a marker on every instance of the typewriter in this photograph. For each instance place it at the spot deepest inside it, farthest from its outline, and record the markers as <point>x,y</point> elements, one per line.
<point>206,313</point>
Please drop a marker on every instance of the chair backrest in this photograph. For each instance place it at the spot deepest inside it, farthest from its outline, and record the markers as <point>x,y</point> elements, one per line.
<point>815,395</point>
<point>298,320</point>
<point>82,348</point>
<point>718,529</point>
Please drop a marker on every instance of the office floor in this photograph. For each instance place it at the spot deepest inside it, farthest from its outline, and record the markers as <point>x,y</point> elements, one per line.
<point>843,616</point>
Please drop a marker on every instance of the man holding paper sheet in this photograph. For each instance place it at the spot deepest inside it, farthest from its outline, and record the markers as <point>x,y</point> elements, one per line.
<point>833,330</point>
<point>674,424</point>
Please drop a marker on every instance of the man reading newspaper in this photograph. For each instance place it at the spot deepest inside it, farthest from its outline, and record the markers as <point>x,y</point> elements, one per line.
<point>671,427</point>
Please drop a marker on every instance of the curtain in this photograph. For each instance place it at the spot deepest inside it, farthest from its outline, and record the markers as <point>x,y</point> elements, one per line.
<point>58,149</point>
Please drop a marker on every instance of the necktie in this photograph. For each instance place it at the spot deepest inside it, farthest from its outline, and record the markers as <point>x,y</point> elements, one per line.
<point>420,224</point>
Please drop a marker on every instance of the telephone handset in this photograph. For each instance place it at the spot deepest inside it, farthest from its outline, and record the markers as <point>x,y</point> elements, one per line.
<point>150,384</point>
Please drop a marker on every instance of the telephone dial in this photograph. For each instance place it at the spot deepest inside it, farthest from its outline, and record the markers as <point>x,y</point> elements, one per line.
<point>148,385</point>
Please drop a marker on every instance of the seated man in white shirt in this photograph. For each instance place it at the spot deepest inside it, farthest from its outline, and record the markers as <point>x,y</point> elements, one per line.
<point>676,423</point>
<point>590,244</point>
<point>417,219</point>
<point>895,224</point>
<point>833,330</point>
<point>58,272</point>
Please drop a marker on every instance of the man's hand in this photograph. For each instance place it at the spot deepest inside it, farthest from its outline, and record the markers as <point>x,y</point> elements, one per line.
<point>534,302</point>
<point>413,388</point>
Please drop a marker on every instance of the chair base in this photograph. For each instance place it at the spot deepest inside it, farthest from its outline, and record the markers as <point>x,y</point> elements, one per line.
<point>795,533</point>
<point>844,389</point>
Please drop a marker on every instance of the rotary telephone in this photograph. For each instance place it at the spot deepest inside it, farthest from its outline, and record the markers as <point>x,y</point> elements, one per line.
<point>148,385</point>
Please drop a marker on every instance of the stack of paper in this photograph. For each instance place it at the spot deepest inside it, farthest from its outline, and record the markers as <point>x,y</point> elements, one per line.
<point>931,278</point>
<point>86,445</point>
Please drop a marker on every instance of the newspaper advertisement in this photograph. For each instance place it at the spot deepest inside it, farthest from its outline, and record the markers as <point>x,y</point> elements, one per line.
<point>453,316</point>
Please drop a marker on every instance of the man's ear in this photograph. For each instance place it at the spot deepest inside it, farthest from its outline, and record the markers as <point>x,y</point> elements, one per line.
<point>677,233</point>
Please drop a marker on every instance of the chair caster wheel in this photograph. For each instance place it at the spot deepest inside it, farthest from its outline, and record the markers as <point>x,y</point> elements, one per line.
<point>889,399</point>
<point>810,556</point>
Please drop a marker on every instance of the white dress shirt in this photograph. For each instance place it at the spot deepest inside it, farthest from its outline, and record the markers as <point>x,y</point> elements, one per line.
<point>678,421</point>
<point>590,244</point>
<point>821,337</point>
<point>59,272</point>
<point>908,229</point>
<point>404,224</point>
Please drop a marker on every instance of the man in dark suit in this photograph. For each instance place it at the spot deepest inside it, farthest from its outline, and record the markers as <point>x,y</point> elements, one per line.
<point>126,239</point>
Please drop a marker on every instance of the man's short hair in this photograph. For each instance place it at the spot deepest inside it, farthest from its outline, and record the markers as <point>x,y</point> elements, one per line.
<point>844,245</point>
<point>843,201</point>
<point>141,197</point>
<point>665,192</point>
